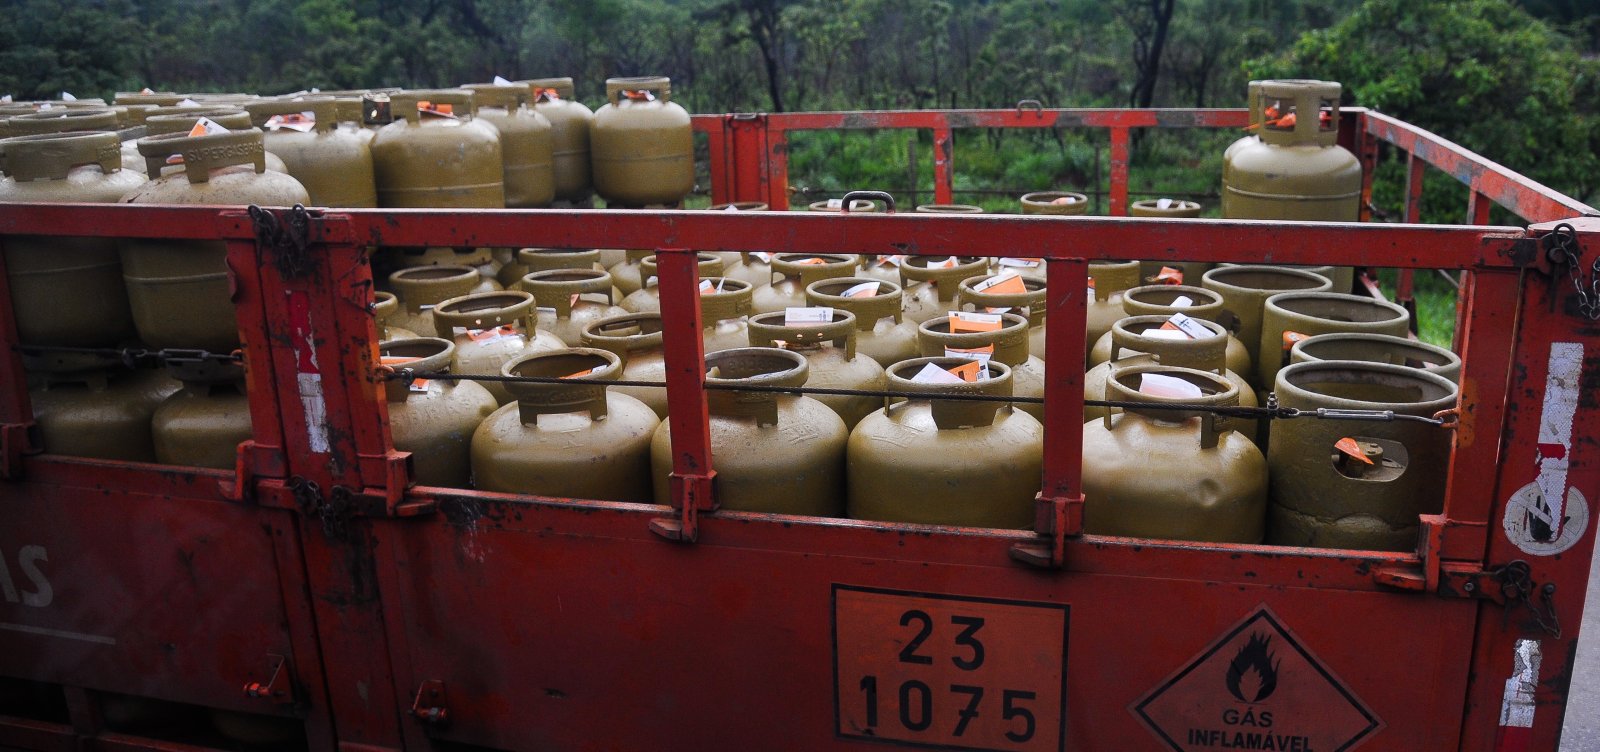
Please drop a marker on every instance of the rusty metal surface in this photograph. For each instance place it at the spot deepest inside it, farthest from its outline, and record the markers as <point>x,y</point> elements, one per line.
<point>410,615</point>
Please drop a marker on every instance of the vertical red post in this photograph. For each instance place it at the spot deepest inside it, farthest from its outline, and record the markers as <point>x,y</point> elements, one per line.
<point>684,353</point>
<point>747,151</point>
<point>1415,170</point>
<point>1120,138</point>
<point>1368,153</point>
<point>943,164</point>
<point>16,413</point>
<point>719,163</point>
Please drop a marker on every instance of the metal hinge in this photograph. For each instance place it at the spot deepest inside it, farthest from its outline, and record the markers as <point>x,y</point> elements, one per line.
<point>279,686</point>
<point>429,704</point>
<point>1057,518</point>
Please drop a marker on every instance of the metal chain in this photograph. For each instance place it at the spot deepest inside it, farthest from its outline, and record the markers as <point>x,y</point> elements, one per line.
<point>1516,584</point>
<point>1561,247</point>
<point>333,512</point>
<point>1445,419</point>
<point>290,238</point>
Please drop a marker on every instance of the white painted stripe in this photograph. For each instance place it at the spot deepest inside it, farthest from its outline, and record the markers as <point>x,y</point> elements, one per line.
<point>316,411</point>
<point>1555,426</point>
<point>47,632</point>
<point>1516,709</point>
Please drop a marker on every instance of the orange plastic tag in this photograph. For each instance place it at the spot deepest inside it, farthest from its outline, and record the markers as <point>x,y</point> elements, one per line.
<point>813,261</point>
<point>395,360</point>
<point>548,95</point>
<point>442,110</point>
<point>1289,338</point>
<point>490,335</point>
<point>1002,284</point>
<point>573,301</point>
<point>581,374</point>
<point>890,260</point>
<point>1351,448</point>
<point>640,95</point>
<point>962,321</point>
<point>949,263</point>
<point>1169,276</point>
<point>976,353</point>
<point>969,372</point>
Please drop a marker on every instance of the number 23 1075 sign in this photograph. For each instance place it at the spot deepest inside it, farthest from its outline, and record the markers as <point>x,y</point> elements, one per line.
<point>949,671</point>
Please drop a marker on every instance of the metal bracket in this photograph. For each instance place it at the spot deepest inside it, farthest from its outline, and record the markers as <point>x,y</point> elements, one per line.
<point>689,493</point>
<point>288,234</point>
<point>16,440</point>
<point>429,704</point>
<point>1059,518</point>
<point>279,687</point>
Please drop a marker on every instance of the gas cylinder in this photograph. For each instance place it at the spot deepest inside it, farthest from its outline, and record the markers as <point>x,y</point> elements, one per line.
<point>836,206</point>
<point>641,146</point>
<point>723,310</point>
<point>75,119</point>
<point>182,120</point>
<point>1378,348</point>
<point>433,419</point>
<point>881,331</point>
<point>566,440</point>
<point>1107,281</point>
<point>946,462</point>
<point>1168,208</point>
<point>931,283</point>
<point>544,259</point>
<point>626,274</point>
<point>159,98</point>
<point>1342,277</point>
<point>636,339</point>
<point>793,272</point>
<point>179,290</point>
<point>648,297</point>
<point>1008,345</point>
<point>435,159</point>
<point>420,288</point>
<point>384,306</point>
<point>527,143</point>
<point>334,165</point>
<point>1135,339</point>
<point>480,259</point>
<point>489,329</point>
<point>66,291</point>
<point>1357,484</point>
<point>949,209</point>
<point>883,267</point>
<point>732,259</point>
<point>1029,303</point>
<point>568,299</point>
<point>89,406</point>
<point>1290,316</point>
<point>1055,202</point>
<point>203,423</point>
<point>829,348</point>
<point>1172,474</point>
<point>1244,291</point>
<point>753,267</point>
<point>569,130</point>
<point>775,453</point>
<point>1166,300</point>
<point>1291,169</point>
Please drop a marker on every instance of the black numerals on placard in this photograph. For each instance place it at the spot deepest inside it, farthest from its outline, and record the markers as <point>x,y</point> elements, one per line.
<point>966,714</point>
<point>908,654</point>
<point>918,707</point>
<point>968,639</point>
<point>1009,709</point>
<point>916,715</point>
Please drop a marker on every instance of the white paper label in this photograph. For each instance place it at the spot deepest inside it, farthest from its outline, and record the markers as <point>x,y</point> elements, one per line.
<point>992,281</point>
<point>44,107</point>
<point>501,81</point>
<point>807,316</point>
<point>1166,334</point>
<point>6,99</point>
<point>890,260</point>
<point>304,122</point>
<point>933,374</point>
<point>1182,301</point>
<point>949,263</point>
<point>187,102</point>
<point>766,258</point>
<point>1158,385</point>
<point>863,290</point>
<point>978,355</point>
<point>66,96</point>
<point>1021,263</point>
<point>1164,203</point>
<point>835,203</point>
<point>1189,326</point>
<point>985,321</point>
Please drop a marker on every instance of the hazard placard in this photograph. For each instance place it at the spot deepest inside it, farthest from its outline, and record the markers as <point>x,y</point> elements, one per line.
<point>1257,688</point>
<point>951,672</point>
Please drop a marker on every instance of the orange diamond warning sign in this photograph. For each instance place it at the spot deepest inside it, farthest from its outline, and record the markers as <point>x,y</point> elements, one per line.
<point>1257,688</point>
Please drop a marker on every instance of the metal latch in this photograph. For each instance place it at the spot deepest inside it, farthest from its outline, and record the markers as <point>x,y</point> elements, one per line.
<point>1562,249</point>
<point>289,237</point>
<point>429,704</point>
<point>1059,518</point>
<point>279,687</point>
<point>1510,585</point>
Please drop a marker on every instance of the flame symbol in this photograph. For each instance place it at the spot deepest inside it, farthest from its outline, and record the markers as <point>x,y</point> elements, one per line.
<point>1252,674</point>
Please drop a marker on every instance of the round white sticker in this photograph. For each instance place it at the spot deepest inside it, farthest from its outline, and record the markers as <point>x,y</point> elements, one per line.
<point>1531,526</point>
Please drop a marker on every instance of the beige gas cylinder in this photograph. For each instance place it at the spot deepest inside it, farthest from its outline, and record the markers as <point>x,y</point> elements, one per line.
<point>490,329</point>
<point>1166,300</point>
<point>202,424</point>
<point>527,143</point>
<point>641,144</point>
<point>1293,167</point>
<point>648,297</point>
<point>626,274</point>
<point>772,452</point>
<point>1150,472</point>
<point>1342,277</point>
<point>946,462</point>
<point>91,406</point>
<point>570,121</point>
<point>1378,348</point>
<point>723,312</point>
<point>1244,291</point>
<point>181,120</point>
<point>1055,202</point>
<point>72,120</point>
<point>384,307</point>
<point>1291,316</point>
<point>568,299</point>
<point>1136,338</point>
<point>882,333</point>
<point>527,260</point>
<point>732,259</point>
<point>334,164</point>
<point>1107,282</point>
<point>931,283</point>
<point>636,339</point>
<point>420,288</point>
<point>793,272</point>
<point>1029,302</point>
<point>948,209</point>
<point>1007,344</point>
<point>433,419</point>
<point>425,160</point>
<point>829,348</point>
<point>884,267</point>
<point>480,259</point>
<point>754,267</point>
<point>1169,208</point>
<point>66,291</point>
<point>576,441</point>
<point>1357,483</point>
<point>179,289</point>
